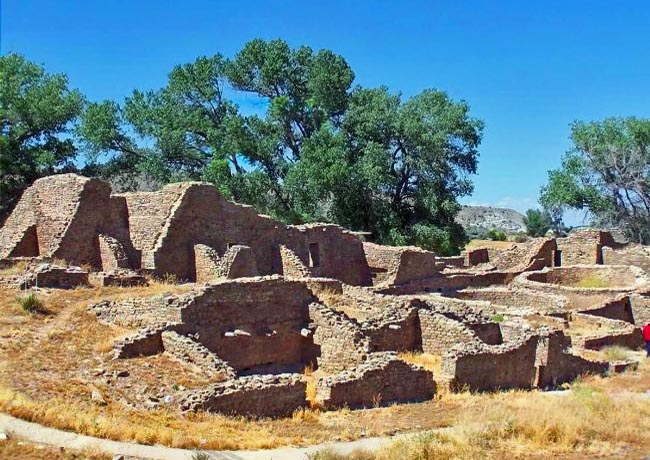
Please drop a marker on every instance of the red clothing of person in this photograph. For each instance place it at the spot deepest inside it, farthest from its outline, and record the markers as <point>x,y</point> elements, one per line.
<point>646,333</point>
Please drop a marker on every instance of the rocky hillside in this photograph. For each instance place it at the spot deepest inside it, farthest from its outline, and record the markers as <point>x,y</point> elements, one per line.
<point>487,217</point>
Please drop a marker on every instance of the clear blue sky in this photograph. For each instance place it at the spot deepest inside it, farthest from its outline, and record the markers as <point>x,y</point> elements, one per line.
<point>528,68</point>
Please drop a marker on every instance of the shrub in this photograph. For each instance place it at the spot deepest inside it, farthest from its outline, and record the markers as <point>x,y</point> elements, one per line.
<point>200,456</point>
<point>497,235</point>
<point>32,304</point>
<point>498,318</point>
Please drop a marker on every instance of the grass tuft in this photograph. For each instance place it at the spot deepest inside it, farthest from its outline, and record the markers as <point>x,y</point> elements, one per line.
<point>30,303</point>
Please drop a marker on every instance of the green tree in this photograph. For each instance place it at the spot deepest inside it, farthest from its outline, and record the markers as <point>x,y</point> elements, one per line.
<point>304,91</point>
<point>394,168</point>
<point>361,158</point>
<point>537,222</point>
<point>38,110</point>
<point>607,173</point>
<point>187,130</point>
<point>496,235</point>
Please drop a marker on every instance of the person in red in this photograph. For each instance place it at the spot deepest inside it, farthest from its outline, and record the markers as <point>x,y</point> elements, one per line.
<point>646,337</point>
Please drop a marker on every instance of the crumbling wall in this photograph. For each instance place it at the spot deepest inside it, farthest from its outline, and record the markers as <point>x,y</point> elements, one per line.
<point>206,263</point>
<point>492,367</point>
<point>399,265</point>
<point>521,256</point>
<point>259,396</point>
<point>381,380</point>
<point>192,353</point>
<point>557,364</point>
<point>340,340</point>
<point>238,262</point>
<point>112,253</point>
<point>476,257</point>
<point>339,252</point>
<point>631,254</point>
<point>251,322</point>
<point>619,308</point>
<point>292,266</point>
<point>396,329</point>
<point>440,333</point>
<point>584,246</point>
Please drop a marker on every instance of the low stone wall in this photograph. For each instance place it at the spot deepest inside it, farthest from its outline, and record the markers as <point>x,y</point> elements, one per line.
<point>557,365</point>
<point>451,281</point>
<point>145,342</point>
<point>440,333</point>
<point>619,308</point>
<point>258,396</point>
<point>565,280</point>
<point>55,276</point>
<point>494,367</point>
<point>476,256</point>
<point>340,340</point>
<point>192,353</point>
<point>118,279</point>
<point>515,297</point>
<point>397,329</point>
<point>399,264</point>
<point>381,380</point>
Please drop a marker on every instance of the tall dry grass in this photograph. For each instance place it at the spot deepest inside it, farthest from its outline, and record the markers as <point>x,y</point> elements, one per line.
<point>516,424</point>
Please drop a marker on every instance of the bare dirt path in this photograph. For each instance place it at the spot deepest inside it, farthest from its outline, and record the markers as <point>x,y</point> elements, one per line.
<point>44,435</point>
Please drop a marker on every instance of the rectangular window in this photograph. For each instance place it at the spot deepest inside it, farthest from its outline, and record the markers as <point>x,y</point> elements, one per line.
<point>314,255</point>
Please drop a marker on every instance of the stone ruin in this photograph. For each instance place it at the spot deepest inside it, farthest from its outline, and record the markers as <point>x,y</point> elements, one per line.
<point>269,300</point>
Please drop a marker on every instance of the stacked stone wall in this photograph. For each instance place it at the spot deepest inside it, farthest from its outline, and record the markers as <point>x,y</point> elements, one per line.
<point>258,396</point>
<point>381,380</point>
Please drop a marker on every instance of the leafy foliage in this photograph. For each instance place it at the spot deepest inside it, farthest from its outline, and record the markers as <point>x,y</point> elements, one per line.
<point>537,222</point>
<point>496,235</point>
<point>322,150</point>
<point>38,110</point>
<point>607,173</point>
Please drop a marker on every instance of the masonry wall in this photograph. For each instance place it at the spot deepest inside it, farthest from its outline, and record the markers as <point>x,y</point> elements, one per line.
<point>440,333</point>
<point>251,322</point>
<point>632,254</point>
<point>520,256</point>
<point>401,264</point>
<point>493,367</point>
<point>258,396</point>
<point>557,365</point>
<point>381,380</point>
<point>340,341</point>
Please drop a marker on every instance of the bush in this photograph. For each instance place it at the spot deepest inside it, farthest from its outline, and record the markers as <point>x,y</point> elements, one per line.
<point>32,304</point>
<point>497,235</point>
<point>498,318</point>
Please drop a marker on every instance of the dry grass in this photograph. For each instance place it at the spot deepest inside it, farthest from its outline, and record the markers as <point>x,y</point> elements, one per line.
<point>428,361</point>
<point>16,269</point>
<point>583,423</point>
<point>473,244</point>
<point>48,362</point>
<point>616,353</point>
<point>591,282</point>
<point>16,449</point>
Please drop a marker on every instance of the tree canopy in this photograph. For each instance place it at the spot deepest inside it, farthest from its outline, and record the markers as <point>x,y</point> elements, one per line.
<point>537,222</point>
<point>321,150</point>
<point>607,173</point>
<point>37,112</point>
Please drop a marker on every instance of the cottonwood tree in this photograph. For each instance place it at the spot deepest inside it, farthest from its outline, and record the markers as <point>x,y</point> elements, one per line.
<point>607,173</point>
<point>183,131</point>
<point>537,222</point>
<point>37,113</point>
<point>362,158</point>
<point>394,167</point>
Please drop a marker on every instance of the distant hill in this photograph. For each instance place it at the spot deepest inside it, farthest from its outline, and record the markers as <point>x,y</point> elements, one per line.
<point>487,217</point>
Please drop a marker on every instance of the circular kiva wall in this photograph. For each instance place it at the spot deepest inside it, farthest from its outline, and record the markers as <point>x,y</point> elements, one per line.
<point>585,278</point>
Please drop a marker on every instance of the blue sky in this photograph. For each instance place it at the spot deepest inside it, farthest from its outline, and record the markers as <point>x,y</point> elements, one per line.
<point>527,68</point>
